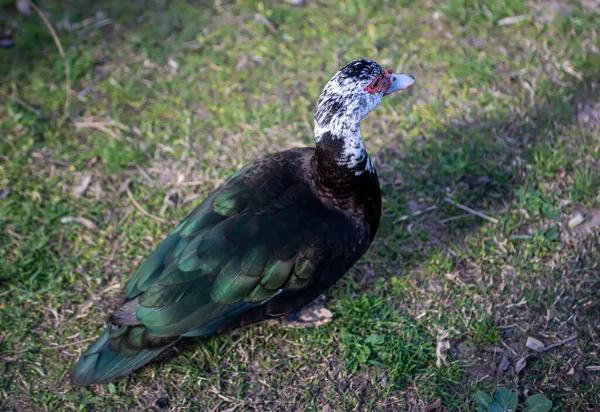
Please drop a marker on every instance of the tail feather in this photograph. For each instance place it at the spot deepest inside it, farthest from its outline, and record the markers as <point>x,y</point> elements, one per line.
<point>101,364</point>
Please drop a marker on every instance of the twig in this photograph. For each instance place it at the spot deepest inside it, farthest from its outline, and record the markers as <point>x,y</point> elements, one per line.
<point>25,105</point>
<point>514,305</point>
<point>519,237</point>
<point>194,183</point>
<point>81,95</point>
<point>67,344</point>
<point>62,55</point>
<point>143,172</point>
<point>95,121</point>
<point>141,209</point>
<point>6,292</point>
<point>482,378</point>
<point>115,247</point>
<point>468,209</point>
<point>562,342</point>
<point>87,223</point>
<point>453,218</point>
<point>201,182</point>
<point>270,26</point>
<point>509,348</point>
<point>14,234</point>
<point>417,213</point>
<point>101,126</point>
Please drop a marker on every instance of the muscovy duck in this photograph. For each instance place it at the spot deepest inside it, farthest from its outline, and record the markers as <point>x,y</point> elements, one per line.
<point>264,245</point>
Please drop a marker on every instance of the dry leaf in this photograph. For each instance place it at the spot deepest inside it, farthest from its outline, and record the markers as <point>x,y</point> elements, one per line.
<point>412,406</point>
<point>536,345</point>
<point>511,20</point>
<point>173,63</point>
<point>433,405</point>
<point>442,346</point>
<point>571,343</point>
<point>124,186</point>
<point>502,366</point>
<point>520,365</point>
<point>83,185</point>
<point>88,224</point>
<point>576,220</point>
<point>568,68</point>
<point>593,368</point>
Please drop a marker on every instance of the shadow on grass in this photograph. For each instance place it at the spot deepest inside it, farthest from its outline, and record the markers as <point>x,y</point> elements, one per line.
<point>483,165</point>
<point>480,164</point>
<point>152,26</point>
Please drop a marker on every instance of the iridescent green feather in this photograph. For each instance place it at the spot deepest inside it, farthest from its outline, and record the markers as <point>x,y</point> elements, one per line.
<point>254,259</point>
<point>232,284</point>
<point>259,294</point>
<point>276,272</point>
<point>152,267</point>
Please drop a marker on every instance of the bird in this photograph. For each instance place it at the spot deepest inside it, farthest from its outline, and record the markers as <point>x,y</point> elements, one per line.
<point>262,247</point>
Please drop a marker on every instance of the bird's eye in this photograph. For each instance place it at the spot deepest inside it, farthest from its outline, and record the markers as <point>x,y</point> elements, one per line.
<point>375,85</point>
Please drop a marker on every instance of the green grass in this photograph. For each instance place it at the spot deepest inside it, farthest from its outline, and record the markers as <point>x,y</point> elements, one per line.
<point>504,119</point>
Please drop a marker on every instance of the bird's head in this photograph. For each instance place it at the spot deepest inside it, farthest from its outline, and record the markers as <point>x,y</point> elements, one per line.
<point>353,93</point>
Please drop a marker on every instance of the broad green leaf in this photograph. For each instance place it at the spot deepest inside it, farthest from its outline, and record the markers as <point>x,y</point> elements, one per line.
<point>538,403</point>
<point>507,399</point>
<point>495,407</point>
<point>482,399</point>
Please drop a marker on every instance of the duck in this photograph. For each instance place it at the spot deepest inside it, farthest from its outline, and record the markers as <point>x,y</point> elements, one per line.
<point>262,247</point>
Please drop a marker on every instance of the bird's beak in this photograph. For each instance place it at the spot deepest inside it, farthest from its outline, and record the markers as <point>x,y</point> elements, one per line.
<point>398,82</point>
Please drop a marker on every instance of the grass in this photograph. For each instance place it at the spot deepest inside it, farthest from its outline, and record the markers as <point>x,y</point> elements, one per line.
<point>170,97</point>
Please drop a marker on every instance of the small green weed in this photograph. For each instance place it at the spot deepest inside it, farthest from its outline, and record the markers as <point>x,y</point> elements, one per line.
<point>507,401</point>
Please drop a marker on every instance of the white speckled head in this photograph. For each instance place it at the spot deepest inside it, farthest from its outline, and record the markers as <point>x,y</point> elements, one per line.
<point>347,98</point>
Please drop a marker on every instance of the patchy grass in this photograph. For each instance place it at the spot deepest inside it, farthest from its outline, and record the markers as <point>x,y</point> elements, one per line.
<point>170,97</point>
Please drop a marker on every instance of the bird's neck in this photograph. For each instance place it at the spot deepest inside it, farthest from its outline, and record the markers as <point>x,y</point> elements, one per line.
<point>342,165</point>
<point>344,177</point>
<point>343,149</point>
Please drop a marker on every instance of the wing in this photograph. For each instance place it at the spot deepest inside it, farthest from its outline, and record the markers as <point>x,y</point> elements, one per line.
<point>263,233</point>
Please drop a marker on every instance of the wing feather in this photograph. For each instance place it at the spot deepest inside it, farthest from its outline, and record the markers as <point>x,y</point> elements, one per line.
<point>264,233</point>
